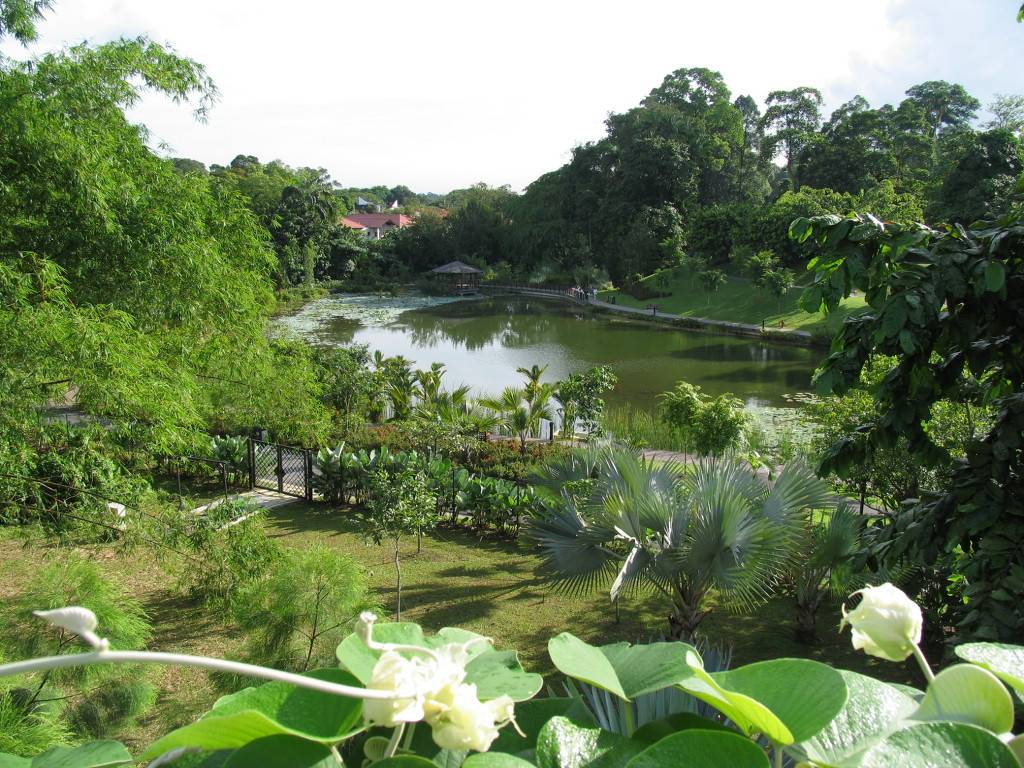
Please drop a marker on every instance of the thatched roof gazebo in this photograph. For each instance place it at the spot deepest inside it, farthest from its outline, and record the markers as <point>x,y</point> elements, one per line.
<point>458,275</point>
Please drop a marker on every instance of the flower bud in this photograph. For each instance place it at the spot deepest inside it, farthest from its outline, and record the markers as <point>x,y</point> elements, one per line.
<point>77,620</point>
<point>886,623</point>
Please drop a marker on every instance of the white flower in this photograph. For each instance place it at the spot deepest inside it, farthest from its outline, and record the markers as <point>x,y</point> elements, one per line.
<point>886,624</point>
<point>409,679</point>
<point>432,688</point>
<point>460,721</point>
<point>77,620</point>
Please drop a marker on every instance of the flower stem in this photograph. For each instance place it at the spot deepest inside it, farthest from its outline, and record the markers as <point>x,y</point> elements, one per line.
<point>182,660</point>
<point>777,751</point>
<point>923,663</point>
<point>410,731</point>
<point>396,736</point>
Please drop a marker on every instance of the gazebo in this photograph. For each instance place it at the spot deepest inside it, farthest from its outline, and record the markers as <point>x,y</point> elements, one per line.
<point>459,276</point>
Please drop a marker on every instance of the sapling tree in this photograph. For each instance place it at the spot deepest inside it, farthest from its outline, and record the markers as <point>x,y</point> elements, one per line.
<point>580,397</point>
<point>712,280</point>
<point>401,504</point>
<point>778,282</point>
<point>305,606</point>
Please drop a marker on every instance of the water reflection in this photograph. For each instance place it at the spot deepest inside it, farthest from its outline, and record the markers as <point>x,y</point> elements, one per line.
<point>482,342</point>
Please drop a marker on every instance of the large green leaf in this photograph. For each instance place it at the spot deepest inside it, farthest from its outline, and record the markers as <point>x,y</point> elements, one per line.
<point>624,670</point>
<point>821,692</point>
<point>495,760</point>
<point>702,749</point>
<point>927,745</point>
<point>872,711</point>
<point>1001,659</point>
<point>493,672</point>
<point>13,761</point>
<point>213,733</point>
<point>750,715</point>
<point>404,761</point>
<point>282,751</point>
<point>96,754</point>
<point>565,743</point>
<point>320,716</point>
<point>499,672</point>
<point>531,716</point>
<point>269,710</point>
<point>649,733</point>
<point>967,694</point>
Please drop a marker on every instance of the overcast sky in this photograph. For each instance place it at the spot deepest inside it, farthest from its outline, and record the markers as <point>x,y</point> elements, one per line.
<point>445,94</point>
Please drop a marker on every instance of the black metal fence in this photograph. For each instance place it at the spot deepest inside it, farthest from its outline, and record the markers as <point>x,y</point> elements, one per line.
<point>282,468</point>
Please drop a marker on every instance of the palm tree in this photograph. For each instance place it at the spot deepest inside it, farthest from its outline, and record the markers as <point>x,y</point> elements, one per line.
<point>400,383</point>
<point>682,533</point>
<point>430,382</point>
<point>532,374</point>
<point>829,544</point>
<point>520,413</point>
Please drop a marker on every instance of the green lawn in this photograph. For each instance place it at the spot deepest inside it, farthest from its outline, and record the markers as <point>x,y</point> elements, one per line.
<point>737,301</point>
<point>488,586</point>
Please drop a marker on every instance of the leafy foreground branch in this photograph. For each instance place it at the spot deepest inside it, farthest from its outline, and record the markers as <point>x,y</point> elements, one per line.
<point>392,677</point>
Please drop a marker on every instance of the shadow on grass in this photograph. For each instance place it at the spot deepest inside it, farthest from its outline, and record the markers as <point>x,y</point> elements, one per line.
<point>166,609</point>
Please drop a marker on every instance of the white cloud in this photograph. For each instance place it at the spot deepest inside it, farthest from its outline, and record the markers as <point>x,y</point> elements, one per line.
<point>440,95</point>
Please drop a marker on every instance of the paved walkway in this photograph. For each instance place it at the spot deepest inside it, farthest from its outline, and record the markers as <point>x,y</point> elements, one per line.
<point>736,329</point>
<point>744,329</point>
<point>266,500</point>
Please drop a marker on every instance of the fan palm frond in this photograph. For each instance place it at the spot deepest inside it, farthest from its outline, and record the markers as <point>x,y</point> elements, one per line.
<point>573,553</point>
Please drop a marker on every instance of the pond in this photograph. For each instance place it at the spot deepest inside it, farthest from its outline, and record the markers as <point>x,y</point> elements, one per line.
<point>482,341</point>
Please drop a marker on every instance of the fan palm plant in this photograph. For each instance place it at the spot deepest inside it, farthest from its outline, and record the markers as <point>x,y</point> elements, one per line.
<point>829,545</point>
<point>683,533</point>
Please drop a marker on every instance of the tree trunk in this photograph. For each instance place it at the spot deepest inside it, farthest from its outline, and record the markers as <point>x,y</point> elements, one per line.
<point>398,571</point>
<point>808,599</point>
<point>686,615</point>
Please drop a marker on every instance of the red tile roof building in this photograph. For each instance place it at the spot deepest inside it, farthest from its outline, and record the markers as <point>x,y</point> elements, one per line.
<point>375,225</point>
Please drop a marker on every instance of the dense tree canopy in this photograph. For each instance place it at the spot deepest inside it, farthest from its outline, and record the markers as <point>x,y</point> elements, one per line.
<point>143,290</point>
<point>948,307</point>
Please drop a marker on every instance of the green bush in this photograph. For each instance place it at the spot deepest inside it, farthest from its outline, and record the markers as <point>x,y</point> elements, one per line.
<point>305,605</point>
<point>96,701</point>
<point>219,564</point>
<point>707,426</point>
<point>28,729</point>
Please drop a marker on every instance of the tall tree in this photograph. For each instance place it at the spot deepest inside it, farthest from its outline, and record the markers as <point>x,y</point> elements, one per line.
<point>1007,112</point>
<point>789,122</point>
<point>945,105</point>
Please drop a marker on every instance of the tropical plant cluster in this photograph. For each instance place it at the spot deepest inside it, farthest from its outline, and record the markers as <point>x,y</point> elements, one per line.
<point>457,496</point>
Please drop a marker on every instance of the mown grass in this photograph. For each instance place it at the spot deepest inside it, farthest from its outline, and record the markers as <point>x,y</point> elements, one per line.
<point>738,300</point>
<point>489,586</point>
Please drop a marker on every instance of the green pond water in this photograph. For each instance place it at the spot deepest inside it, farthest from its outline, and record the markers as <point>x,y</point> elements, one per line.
<point>481,342</point>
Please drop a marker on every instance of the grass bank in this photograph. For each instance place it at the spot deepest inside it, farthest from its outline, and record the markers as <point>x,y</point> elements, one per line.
<point>488,586</point>
<point>290,299</point>
<point>738,300</point>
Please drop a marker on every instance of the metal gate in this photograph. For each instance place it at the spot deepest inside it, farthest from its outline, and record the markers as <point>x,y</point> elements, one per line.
<point>282,468</point>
